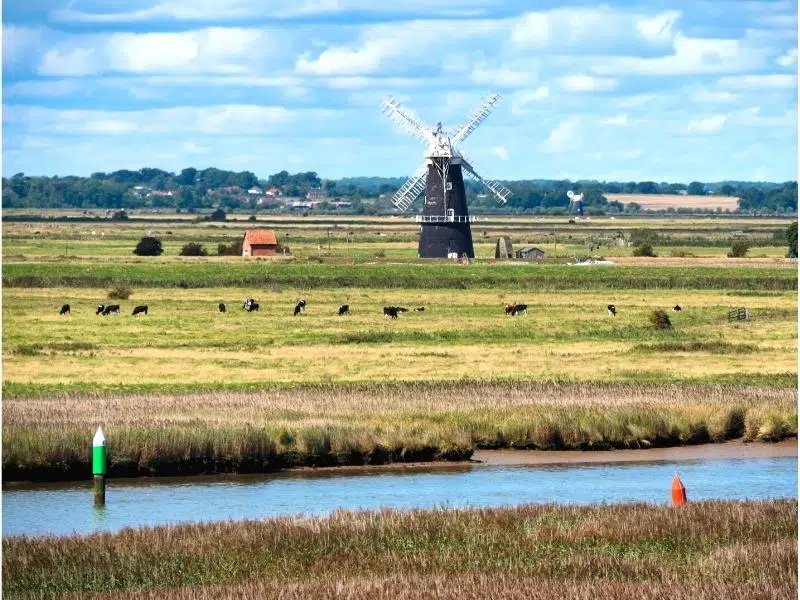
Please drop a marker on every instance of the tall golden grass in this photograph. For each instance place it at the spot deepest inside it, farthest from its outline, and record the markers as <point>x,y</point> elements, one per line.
<point>48,437</point>
<point>703,550</point>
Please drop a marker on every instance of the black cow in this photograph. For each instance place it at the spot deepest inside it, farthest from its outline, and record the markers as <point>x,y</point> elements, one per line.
<point>419,309</point>
<point>100,308</point>
<point>401,309</point>
<point>252,306</point>
<point>221,307</point>
<point>298,308</point>
<point>390,311</point>
<point>139,310</point>
<point>519,308</point>
<point>65,310</point>
<point>344,309</point>
<point>111,308</point>
<point>612,310</point>
<point>246,304</point>
<point>676,308</point>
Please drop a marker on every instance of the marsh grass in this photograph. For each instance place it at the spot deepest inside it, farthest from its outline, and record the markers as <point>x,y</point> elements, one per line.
<point>704,550</point>
<point>48,437</point>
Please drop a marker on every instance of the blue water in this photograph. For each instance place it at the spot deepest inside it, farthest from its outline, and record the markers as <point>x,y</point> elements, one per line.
<point>62,509</point>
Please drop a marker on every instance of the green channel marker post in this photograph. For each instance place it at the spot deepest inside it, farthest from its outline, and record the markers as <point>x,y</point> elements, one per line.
<point>99,467</point>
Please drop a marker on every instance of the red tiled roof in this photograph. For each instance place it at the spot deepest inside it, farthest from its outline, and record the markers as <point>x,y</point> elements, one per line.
<point>261,236</point>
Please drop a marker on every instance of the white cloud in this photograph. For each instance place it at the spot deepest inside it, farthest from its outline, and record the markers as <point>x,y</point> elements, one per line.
<point>659,28</point>
<point>74,62</point>
<point>563,137</point>
<point>194,148</point>
<point>706,96</point>
<point>521,100</point>
<point>47,87</point>
<point>707,125</point>
<point>789,59</point>
<point>502,77</point>
<point>636,101</point>
<point>587,83</point>
<point>501,152</point>
<point>621,120</point>
<point>19,43</point>
<point>758,82</point>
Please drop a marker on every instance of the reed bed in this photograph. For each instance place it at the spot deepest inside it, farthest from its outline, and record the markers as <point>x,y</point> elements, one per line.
<point>703,550</point>
<point>48,436</point>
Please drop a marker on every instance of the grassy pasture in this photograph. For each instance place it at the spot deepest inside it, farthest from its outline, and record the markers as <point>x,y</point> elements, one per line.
<point>704,551</point>
<point>663,201</point>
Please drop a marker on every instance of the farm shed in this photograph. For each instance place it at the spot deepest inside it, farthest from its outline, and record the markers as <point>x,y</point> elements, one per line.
<point>530,252</point>
<point>260,242</point>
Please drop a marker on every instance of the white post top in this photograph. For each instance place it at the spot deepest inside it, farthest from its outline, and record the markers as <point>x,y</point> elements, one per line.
<point>99,439</point>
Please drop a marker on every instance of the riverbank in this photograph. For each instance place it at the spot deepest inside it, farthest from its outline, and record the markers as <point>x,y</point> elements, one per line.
<point>703,550</point>
<point>46,438</point>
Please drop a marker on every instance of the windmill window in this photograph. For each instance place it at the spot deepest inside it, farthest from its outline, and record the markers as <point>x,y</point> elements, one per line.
<point>448,186</point>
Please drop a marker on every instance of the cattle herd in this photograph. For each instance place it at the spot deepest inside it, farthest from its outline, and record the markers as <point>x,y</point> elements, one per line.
<point>389,312</point>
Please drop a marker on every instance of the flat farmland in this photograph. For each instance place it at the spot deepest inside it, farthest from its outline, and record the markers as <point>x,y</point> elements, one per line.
<point>664,201</point>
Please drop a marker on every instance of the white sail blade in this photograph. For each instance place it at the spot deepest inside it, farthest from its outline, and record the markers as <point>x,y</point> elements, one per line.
<point>406,119</point>
<point>484,110</point>
<point>501,192</point>
<point>411,189</point>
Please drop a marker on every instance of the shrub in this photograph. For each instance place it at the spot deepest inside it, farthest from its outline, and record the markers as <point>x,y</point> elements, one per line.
<point>120,292</point>
<point>194,249</point>
<point>149,246</point>
<point>217,215</point>
<point>791,239</point>
<point>643,250</point>
<point>677,253</point>
<point>739,248</point>
<point>232,249</point>
<point>252,218</point>
<point>119,215</point>
<point>660,319</point>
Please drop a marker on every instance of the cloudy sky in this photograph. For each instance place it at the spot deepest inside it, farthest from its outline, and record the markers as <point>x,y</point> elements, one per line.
<point>630,90</point>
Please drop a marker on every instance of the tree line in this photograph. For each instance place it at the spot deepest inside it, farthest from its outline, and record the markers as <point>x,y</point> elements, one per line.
<point>193,189</point>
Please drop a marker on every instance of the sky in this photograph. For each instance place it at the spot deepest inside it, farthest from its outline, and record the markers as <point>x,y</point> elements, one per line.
<point>623,91</point>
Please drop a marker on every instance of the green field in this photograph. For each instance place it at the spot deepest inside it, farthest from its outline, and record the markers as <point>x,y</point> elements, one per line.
<point>703,551</point>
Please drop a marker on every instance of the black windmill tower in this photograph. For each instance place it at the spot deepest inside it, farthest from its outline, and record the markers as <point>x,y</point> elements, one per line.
<point>445,220</point>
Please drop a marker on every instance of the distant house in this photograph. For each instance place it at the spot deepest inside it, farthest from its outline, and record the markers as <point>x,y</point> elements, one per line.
<point>340,204</point>
<point>315,194</point>
<point>274,192</point>
<point>530,252</point>
<point>260,242</point>
<point>255,190</point>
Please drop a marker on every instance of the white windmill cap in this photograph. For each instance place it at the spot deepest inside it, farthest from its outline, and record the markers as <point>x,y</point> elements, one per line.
<point>570,194</point>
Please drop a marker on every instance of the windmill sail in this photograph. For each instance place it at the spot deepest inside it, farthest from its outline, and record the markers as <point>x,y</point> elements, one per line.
<point>411,189</point>
<point>500,192</point>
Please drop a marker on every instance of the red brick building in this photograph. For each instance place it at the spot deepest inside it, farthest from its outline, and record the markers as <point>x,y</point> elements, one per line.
<point>260,242</point>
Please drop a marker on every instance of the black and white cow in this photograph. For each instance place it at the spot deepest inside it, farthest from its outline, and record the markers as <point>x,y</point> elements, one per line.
<point>519,309</point>
<point>612,310</point>
<point>400,309</point>
<point>252,306</point>
<point>65,310</point>
<point>390,312</point>
<point>221,307</point>
<point>419,309</point>
<point>139,310</point>
<point>100,309</point>
<point>344,309</point>
<point>111,308</point>
<point>298,308</point>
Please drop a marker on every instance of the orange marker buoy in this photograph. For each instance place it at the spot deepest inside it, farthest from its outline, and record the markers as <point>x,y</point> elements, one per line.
<point>678,491</point>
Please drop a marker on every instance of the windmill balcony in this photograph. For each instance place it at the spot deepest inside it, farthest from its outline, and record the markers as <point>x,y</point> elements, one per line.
<point>446,219</point>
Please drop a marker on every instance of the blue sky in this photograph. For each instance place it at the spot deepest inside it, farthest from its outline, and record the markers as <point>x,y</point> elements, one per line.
<point>666,91</point>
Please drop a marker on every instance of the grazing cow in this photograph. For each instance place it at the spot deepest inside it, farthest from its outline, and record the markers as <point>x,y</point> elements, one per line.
<point>390,312</point>
<point>65,310</point>
<point>252,306</point>
<point>676,308</point>
<point>419,309</point>
<point>302,305</point>
<point>298,308</point>
<point>139,309</point>
<point>612,310</point>
<point>344,309</point>
<point>519,308</point>
<point>246,304</point>
<point>111,308</point>
<point>221,307</point>
<point>100,309</point>
<point>510,309</point>
<point>401,309</point>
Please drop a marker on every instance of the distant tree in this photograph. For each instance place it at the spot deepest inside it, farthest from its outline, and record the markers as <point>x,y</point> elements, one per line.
<point>149,246</point>
<point>726,190</point>
<point>119,215</point>
<point>643,236</point>
<point>252,218</point>
<point>217,215</point>
<point>187,176</point>
<point>194,249</point>
<point>232,249</point>
<point>696,189</point>
<point>647,187</point>
<point>739,248</point>
<point>791,239</point>
<point>644,249</point>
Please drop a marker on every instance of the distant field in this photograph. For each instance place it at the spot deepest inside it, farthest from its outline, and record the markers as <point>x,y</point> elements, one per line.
<point>662,201</point>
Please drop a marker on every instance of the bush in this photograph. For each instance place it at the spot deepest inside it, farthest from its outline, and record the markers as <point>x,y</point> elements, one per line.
<point>659,319</point>
<point>119,215</point>
<point>644,250</point>
<point>232,249</point>
<point>149,246</point>
<point>739,248</point>
<point>252,218</point>
<point>120,292</point>
<point>217,215</point>
<point>791,239</point>
<point>193,249</point>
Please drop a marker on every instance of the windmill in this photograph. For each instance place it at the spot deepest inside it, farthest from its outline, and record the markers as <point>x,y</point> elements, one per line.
<point>444,222</point>
<point>575,202</point>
